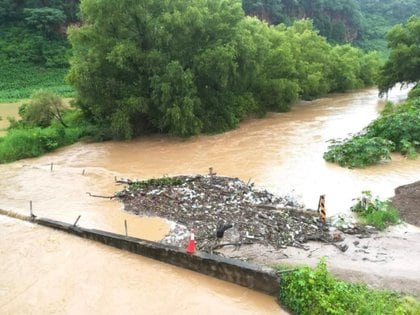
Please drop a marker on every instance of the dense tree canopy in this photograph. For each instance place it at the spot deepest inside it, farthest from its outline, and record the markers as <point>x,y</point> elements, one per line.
<point>185,67</point>
<point>403,64</point>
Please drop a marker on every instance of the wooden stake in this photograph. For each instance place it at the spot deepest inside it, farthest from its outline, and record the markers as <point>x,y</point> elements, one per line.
<point>30,208</point>
<point>52,165</point>
<point>126,230</point>
<point>77,220</point>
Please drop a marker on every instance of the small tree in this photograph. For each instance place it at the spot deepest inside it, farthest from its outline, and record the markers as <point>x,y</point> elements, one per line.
<point>42,109</point>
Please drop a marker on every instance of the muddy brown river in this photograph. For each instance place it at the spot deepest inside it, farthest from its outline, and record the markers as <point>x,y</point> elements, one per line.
<point>281,152</point>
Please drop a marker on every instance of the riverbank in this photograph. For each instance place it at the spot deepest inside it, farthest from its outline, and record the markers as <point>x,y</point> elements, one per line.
<point>268,229</point>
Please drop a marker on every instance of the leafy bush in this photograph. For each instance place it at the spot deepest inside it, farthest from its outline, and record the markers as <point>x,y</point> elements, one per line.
<point>399,124</point>
<point>375,212</point>
<point>397,129</point>
<point>43,107</point>
<point>315,291</point>
<point>359,151</point>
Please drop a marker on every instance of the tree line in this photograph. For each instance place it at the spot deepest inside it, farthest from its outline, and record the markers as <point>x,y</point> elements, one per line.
<point>35,30</point>
<point>186,67</point>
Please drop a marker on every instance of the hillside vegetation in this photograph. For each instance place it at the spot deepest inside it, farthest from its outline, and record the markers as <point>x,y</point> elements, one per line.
<point>34,49</point>
<point>361,22</point>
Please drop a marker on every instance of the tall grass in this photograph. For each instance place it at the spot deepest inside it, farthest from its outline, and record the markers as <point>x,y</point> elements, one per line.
<point>26,142</point>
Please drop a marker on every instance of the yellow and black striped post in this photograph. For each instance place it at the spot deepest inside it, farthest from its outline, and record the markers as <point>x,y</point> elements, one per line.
<point>321,209</point>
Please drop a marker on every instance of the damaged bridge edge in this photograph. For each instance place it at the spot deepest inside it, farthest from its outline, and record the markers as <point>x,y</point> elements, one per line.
<point>259,278</point>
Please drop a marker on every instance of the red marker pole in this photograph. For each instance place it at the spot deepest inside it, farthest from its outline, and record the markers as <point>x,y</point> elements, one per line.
<point>191,244</point>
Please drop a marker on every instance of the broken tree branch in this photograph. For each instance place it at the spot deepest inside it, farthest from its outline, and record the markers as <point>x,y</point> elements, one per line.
<point>99,196</point>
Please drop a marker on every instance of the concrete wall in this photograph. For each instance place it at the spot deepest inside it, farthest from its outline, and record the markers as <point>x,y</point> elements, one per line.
<point>249,275</point>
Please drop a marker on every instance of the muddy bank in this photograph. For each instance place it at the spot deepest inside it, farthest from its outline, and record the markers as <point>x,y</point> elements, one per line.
<point>407,201</point>
<point>269,229</point>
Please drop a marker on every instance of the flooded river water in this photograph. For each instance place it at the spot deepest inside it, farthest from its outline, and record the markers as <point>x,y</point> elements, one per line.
<point>281,152</point>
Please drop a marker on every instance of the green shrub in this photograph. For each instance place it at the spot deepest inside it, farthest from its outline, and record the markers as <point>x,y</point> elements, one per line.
<point>315,291</point>
<point>43,107</point>
<point>397,129</point>
<point>359,151</point>
<point>399,124</point>
<point>22,143</point>
<point>375,212</point>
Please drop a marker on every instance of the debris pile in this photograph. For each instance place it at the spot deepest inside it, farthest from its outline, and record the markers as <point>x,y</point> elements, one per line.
<point>204,203</point>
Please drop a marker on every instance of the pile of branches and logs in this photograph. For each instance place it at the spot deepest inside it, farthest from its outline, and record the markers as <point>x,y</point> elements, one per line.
<point>209,204</point>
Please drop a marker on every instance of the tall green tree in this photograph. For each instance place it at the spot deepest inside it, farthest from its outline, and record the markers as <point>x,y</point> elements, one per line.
<point>403,64</point>
<point>174,67</point>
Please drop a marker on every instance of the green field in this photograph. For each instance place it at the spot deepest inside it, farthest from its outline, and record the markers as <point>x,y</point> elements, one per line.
<point>18,81</point>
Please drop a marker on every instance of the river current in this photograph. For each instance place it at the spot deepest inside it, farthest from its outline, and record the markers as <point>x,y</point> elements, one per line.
<point>281,153</point>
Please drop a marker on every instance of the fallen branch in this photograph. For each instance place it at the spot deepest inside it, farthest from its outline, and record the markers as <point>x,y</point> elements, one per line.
<point>123,181</point>
<point>99,196</point>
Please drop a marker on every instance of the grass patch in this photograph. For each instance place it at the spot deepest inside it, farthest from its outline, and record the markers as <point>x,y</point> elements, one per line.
<point>19,81</point>
<point>32,142</point>
<point>26,142</point>
<point>376,212</point>
<point>316,291</point>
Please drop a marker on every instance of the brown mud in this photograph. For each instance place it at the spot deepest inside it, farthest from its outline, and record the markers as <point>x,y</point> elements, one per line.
<point>407,201</point>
